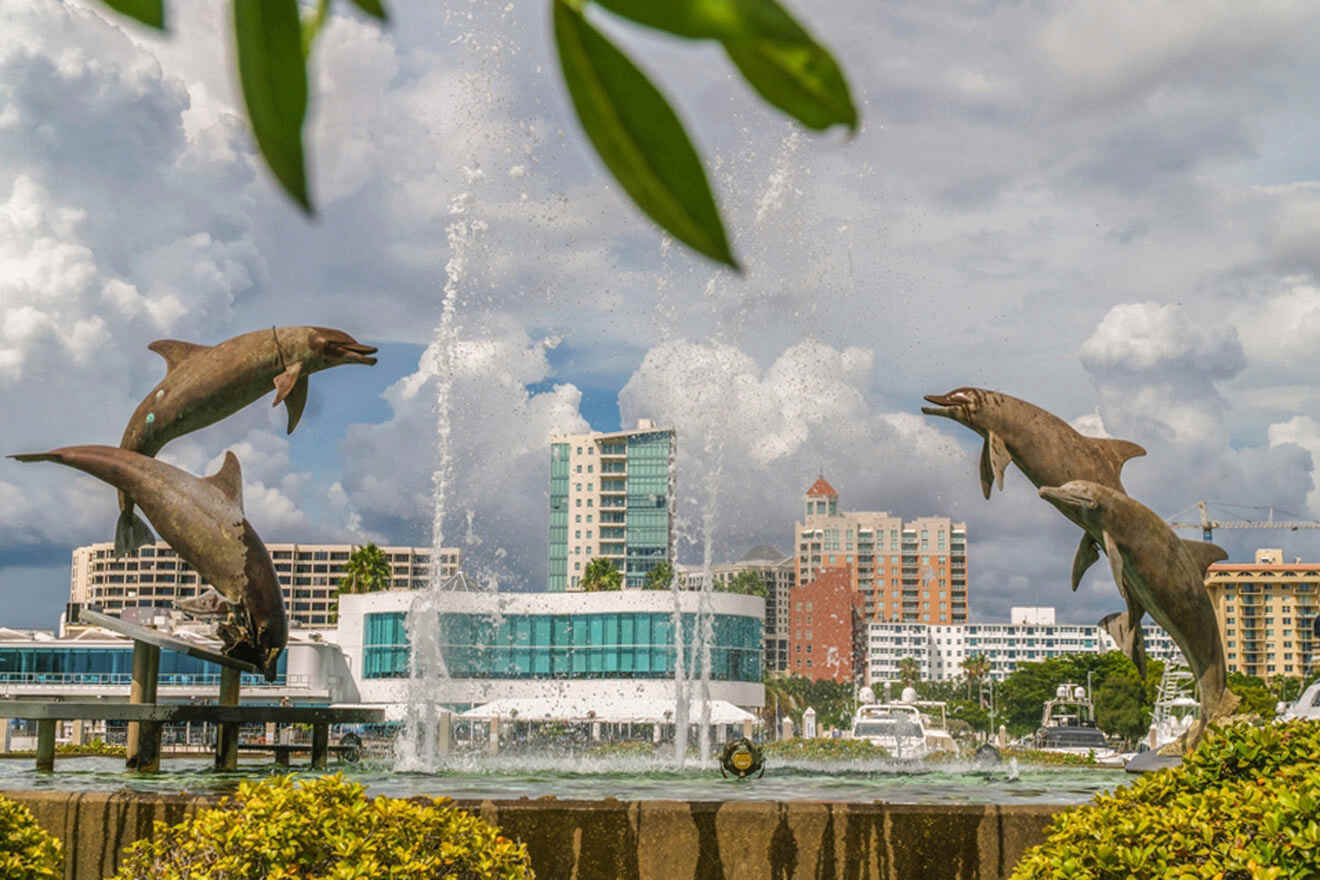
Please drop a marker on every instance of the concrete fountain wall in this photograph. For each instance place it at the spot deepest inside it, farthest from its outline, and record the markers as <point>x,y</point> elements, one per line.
<point>646,840</point>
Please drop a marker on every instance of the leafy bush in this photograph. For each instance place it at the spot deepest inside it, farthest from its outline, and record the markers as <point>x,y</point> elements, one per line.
<point>27,852</point>
<point>824,750</point>
<point>325,828</point>
<point>1059,759</point>
<point>626,748</point>
<point>1244,805</point>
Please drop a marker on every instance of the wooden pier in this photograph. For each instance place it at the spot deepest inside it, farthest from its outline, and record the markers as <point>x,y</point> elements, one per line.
<point>145,716</point>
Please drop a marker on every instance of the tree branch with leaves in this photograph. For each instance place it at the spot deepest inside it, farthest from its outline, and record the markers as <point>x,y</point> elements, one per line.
<point>634,130</point>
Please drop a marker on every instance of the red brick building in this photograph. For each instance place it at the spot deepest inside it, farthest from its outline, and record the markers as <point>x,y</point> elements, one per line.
<point>826,631</point>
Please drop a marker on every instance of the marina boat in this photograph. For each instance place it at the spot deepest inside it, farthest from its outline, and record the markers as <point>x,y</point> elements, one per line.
<point>908,728</point>
<point>1307,706</point>
<point>1067,726</point>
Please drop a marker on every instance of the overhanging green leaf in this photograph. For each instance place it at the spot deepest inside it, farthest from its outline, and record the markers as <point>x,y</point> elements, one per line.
<point>374,8</point>
<point>149,12</point>
<point>638,135</point>
<point>712,19</point>
<point>268,34</point>
<point>774,53</point>
<point>801,79</point>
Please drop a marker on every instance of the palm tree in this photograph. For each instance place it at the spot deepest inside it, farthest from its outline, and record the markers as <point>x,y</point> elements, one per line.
<point>601,576</point>
<point>659,577</point>
<point>975,667</point>
<point>368,571</point>
<point>780,700</point>
<point>909,670</point>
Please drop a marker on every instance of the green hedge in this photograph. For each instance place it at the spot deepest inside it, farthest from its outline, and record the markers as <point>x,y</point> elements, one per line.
<point>1245,805</point>
<point>1060,759</point>
<point>27,852</point>
<point>325,829</point>
<point>824,749</point>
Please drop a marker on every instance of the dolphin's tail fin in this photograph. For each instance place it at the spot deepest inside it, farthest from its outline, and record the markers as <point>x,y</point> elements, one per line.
<point>131,533</point>
<point>1225,706</point>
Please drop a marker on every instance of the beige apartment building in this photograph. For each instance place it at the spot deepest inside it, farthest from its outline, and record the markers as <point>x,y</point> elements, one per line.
<point>1266,614</point>
<point>309,576</point>
<point>907,571</point>
<point>612,495</point>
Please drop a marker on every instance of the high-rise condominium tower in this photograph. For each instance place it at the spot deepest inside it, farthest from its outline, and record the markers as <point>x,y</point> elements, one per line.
<point>611,495</point>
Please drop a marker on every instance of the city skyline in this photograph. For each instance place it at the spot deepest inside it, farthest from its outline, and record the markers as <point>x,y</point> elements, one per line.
<point>1113,220</point>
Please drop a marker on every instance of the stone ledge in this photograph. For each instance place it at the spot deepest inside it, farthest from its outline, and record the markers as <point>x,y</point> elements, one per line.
<point>645,840</point>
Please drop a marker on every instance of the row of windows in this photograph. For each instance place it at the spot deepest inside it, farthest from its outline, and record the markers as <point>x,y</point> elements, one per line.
<point>86,664</point>
<point>564,646</point>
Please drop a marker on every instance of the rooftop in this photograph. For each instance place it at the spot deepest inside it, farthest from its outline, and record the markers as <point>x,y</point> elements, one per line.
<point>822,488</point>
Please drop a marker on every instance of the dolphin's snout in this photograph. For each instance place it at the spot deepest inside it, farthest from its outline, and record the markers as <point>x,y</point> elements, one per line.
<point>352,351</point>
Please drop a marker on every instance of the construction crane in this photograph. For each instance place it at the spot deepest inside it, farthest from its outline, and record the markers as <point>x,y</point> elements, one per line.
<point>1208,525</point>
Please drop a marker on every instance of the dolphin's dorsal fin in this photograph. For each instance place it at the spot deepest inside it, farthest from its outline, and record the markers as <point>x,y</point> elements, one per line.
<point>175,351</point>
<point>1204,554</point>
<point>1088,551</point>
<point>229,479</point>
<point>1124,449</point>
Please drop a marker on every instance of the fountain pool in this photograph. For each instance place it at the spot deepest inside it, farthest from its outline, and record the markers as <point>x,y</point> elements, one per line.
<point>626,778</point>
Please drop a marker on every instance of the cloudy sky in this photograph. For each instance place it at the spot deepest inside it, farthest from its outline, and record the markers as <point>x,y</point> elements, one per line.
<point>1107,208</point>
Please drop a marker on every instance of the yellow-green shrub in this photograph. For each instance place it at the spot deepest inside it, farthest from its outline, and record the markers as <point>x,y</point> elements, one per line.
<point>1245,805</point>
<point>27,852</point>
<point>325,829</point>
<point>823,749</point>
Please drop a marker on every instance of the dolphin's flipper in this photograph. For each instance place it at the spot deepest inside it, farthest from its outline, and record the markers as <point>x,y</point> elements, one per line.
<point>994,459</point>
<point>208,604</point>
<point>131,533</point>
<point>999,457</point>
<point>1205,554</point>
<point>1115,562</point>
<point>1088,551</point>
<point>295,402</point>
<point>1126,631</point>
<point>175,351</point>
<point>285,382</point>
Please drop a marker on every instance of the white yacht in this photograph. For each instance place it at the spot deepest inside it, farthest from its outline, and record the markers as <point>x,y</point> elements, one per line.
<point>1307,707</point>
<point>906,728</point>
<point>1067,725</point>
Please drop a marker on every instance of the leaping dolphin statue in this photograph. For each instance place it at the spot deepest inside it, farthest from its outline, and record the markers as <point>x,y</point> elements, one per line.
<point>1050,453</point>
<point>202,519</point>
<point>205,383</point>
<point>1166,575</point>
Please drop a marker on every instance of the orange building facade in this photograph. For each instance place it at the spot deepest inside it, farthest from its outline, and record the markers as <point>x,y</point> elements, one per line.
<point>912,571</point>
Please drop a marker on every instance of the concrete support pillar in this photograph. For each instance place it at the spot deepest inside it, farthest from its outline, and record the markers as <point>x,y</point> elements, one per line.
<point>226,743</point>
<point>45,745</point>
<point>320,745</point>
<point>270,733</point>
<point>595,731</point>
<point>493,747</point>
<point>4,736</point>
<point>747,730</point>
<point>79,737</point>
<point>444,731</point>
<point>142,751</point>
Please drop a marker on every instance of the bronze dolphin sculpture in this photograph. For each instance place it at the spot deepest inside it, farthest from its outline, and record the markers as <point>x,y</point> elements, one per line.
<point>1050,453</point>
<point>1166,574</point>
<point>202,519</point>
<point>205,383</point>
